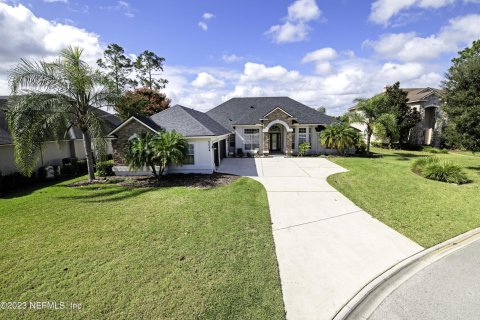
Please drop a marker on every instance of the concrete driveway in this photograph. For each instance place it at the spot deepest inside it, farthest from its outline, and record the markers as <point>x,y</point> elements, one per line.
<point>327,247</point>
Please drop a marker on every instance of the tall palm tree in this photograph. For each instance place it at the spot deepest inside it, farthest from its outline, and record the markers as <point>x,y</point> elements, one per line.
<point>51,97</point>
<point>371,112</point>
<point>161,149</point>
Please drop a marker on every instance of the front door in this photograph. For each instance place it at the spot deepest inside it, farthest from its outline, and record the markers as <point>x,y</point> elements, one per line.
<point>274,141</point>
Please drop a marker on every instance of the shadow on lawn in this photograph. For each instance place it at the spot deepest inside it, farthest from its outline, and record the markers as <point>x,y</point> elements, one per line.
<point>25,190</point>
<point>106,193</point>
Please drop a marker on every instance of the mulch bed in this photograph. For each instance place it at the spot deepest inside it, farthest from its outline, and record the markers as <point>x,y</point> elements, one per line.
<point>203,181</point>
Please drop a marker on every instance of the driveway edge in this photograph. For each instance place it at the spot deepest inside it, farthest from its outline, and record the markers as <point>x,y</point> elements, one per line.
<point>365,302</point>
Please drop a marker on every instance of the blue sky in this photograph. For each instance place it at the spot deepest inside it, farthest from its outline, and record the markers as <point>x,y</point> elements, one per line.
<point>318,52</point>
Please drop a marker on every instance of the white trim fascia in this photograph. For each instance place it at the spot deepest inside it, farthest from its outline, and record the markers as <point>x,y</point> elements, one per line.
<point>128,121</point>
<point>278,121</point>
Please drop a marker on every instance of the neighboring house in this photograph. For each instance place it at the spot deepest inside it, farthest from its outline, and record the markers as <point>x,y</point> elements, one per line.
<point>247,126</point>
<point>428,102</point>
<point>53,151</point>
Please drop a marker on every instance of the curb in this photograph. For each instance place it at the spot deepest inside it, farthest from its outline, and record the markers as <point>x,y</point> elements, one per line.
<point>366,301</point>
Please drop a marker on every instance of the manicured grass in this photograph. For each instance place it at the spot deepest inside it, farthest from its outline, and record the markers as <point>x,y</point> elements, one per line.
<point>426,211</point>
<point>168,253</point>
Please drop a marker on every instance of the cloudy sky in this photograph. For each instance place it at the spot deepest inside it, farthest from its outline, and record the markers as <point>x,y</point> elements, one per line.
<point>320,52</point>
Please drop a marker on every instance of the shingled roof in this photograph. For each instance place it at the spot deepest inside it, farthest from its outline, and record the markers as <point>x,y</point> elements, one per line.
<point>188,122</point>
<point>419,94</point>
<point>249,111</point>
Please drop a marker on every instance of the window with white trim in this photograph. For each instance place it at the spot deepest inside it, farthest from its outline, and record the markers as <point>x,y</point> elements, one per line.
<point>251,139</point>
<point>190,154</point>
<point>302,135</point>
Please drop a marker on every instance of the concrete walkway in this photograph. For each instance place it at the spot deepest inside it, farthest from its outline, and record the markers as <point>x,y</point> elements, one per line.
<point>327,248</point>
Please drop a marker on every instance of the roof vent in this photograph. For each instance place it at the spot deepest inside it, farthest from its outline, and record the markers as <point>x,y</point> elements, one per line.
<point>252,107</point>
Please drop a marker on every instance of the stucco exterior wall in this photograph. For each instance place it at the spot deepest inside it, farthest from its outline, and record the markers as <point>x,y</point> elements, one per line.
<point>240,138</point>
<point>203,153</point>
<point>417,134</point>
<point>7,159</point>
<point>52,154</point>
<point>203,157</point>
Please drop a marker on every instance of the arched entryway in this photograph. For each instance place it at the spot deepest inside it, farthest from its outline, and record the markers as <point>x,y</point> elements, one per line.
<point>429,124</point>
<point>275,138</point>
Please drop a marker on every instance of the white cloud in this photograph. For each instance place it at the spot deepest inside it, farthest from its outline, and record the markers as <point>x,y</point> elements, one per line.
<point>409,46</point>
<point>31,37</point>
<point>53,1</point>
<point>295,28</point>
<point>203,26</point>
<point>321,58</point>
<point>208,16</point>
<point>303,10</point>
<point>125,7</point>
<point>230,58</point>
<point>205,79</point>
<point>382,11</point>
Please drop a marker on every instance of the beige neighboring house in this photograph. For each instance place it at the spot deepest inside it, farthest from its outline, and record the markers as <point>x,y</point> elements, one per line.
<point>53,151</point>
<point>428,102</point>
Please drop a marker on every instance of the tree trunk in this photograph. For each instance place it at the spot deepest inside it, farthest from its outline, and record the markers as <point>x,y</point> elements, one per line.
<point>87,143</point>
<point>369,137</point>
<point>153,170</point>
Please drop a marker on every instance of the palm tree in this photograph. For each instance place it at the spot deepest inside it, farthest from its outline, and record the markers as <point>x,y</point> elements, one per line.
<point>161,149</point>
<point>51,97</point>
<point>339,136</point>
<point>140,152</point>
<point>371,112</point>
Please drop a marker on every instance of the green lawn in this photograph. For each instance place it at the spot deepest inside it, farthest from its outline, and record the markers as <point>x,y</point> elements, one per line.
<point>426,211</point>
<point>171,253</point>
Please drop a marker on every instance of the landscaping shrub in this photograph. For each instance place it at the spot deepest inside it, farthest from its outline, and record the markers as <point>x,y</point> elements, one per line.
<point>105,168</point>
<point>435,150</point>
<point>303,148</point>
<point>82,167</point>
<point>434,169</point>
<point>445,171</point>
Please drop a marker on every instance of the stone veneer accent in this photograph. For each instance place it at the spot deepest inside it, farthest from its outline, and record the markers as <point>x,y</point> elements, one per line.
<point>278,114</point>
<point>119,144</point>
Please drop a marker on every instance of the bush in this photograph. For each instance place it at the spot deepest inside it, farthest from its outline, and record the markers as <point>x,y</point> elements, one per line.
<point>82,167</point>
<point>445,171</point>
<point>434,169</point>
<point>105,168</point>
<point>435,150</point>
<point>303,148</point>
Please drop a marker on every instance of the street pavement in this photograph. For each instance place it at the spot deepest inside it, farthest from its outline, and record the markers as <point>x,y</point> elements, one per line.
<point>447,289</point>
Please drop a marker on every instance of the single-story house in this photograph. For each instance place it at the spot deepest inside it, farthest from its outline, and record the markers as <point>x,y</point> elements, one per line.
<point>239,126</point>
<point>428,102</point>
<point>53,151</point>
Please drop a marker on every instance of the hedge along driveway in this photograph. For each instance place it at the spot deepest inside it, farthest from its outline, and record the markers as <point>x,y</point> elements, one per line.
<point>426,211</point>
<point>168,253</point>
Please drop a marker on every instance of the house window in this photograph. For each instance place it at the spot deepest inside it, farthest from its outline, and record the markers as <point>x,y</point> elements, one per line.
<point>190,154</point>
<point>302,135</point>
<point>252,139</point>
